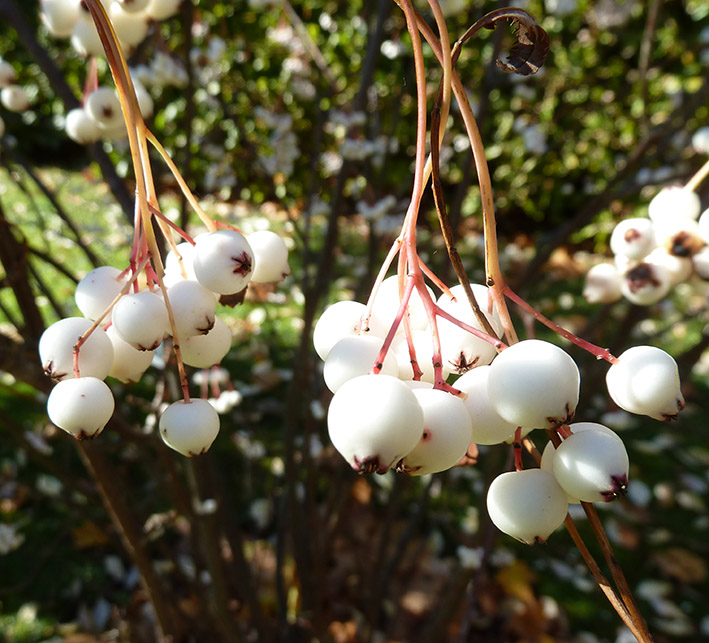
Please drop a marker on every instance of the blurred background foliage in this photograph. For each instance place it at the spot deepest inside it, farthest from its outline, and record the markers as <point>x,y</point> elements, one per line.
<point>301,117</point>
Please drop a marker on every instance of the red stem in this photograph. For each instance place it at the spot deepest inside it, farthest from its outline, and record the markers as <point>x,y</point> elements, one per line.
<point>597,351</point>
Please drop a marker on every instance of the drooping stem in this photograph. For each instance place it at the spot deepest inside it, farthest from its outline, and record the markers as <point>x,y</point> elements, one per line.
<point>492,264</point>
<point>599,577</point>
<point>597,351</point>
<point>616,571</point>
<point>206,219</point>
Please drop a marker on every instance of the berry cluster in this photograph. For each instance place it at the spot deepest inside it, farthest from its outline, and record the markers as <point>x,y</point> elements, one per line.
<point>130,19</point>
<point>652,254</point>
<point>124,323</point>
<point>390,411</point>
<point>101,116</point>
<point>128,314</point>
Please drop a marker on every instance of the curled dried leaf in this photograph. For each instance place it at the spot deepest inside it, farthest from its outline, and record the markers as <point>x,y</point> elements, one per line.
<point>532,43</point>
<point>529,51</point>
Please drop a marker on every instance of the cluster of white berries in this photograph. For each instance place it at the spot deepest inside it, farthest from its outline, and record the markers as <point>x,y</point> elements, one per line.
<point>101,115</point>
<point>80,353</point>
<point>130,18</point>
<point>163,70</point>
<point>653,254</point>
<point>381,417</point>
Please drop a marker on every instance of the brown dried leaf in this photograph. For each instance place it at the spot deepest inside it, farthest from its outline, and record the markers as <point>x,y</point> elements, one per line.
<point>532,43</point>
<point>682,565</point>
<point>529,52</point>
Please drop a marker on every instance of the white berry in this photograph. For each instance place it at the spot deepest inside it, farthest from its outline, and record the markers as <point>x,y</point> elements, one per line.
<point>534,384</point>
<point>527,505</point>
<point>223,261</point>
<point>645,380</point>
<point>141,319</point>
<point>56,349</point>
<point>270,257</point>
<point>488,426</point>
<point>81,407</point>
<point>592,466</point>
<point>374,421</point>
<point>447,433</point>
<point>189,427</point>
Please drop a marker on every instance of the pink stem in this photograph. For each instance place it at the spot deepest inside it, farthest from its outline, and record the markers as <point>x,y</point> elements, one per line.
<point>599,353</point>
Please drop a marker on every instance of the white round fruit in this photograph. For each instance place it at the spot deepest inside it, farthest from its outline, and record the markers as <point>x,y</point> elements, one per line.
<point>14,98</point>
<point>97,289</point>
<point>488,426</point>
<point>129,363</point>
<point>162,9</point>
<point>602,285</point>
<point>270,257</point>
<point>547,463</point>
<point>387,302</point>
<point>189,427</point>
<point>204,351</point>
<point>645,380</point>
<point>56,350</point>
<point>103,106</point>
<point>700,263</point>
<point>180,262</point>
<point>592,466</point>
<point>374,421</point>
<point>141,319</point>
<point>680,237</point>
<point>193,308</point>
<point>84,38</point>
<point>447,433</point>
<point>534,384</point>
<point>700,140</point>
<point>674,201</point>
<point>634,238</point>
<point>678,268</point>
<point>81,128</point>
<point>645,283</point>
<point>131,28</point>
<point>342,319</point>
<point>81,407</point>
<point>223,261</point>
<point>460,349</point>
<point>527,505</point>
<point>355,355</point>
<point>60,16</point>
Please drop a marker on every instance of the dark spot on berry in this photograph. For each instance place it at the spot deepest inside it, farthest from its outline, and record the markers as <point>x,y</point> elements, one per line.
<point>632,235</point>
<point>208,325</point>
<point>640,277</point>
<point>619,487</point>
<point>371,464</point>
<point>462,365</point>
<point>242,264</point>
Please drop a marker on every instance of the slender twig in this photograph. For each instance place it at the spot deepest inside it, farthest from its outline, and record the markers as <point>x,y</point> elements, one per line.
<point>603,583</point>
<point>698,177</point>
<point>597,351</point>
